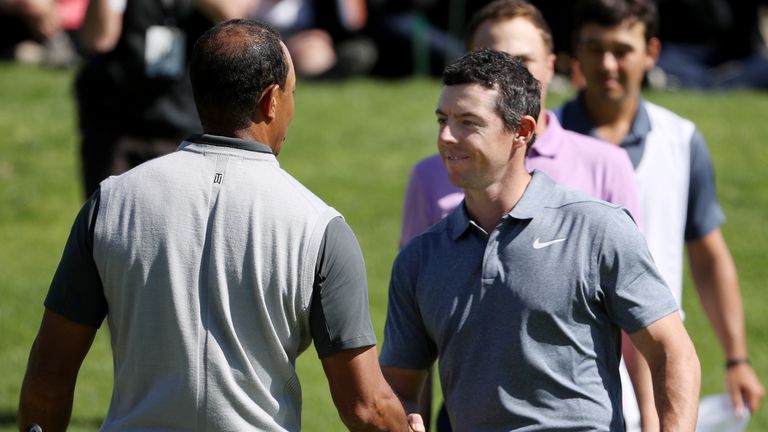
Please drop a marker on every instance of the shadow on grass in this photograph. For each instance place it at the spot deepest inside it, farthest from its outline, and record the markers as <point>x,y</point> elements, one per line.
<point>8,419</point>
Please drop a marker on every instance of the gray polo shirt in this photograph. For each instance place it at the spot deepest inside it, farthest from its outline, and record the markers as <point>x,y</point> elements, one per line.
<point>525,320</point>
<point>339,314</point>
<point>218,269</point>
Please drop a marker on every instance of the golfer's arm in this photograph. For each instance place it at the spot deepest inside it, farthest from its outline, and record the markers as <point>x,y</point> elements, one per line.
<point>716,281</point>
<point>49,383</point>
<point>364,400</point>
<point>407,384</point>
<point>675,371</point>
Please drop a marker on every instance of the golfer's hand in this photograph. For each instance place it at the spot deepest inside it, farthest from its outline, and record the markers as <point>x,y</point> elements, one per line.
<point>416,423</point>
<point>744,387</point>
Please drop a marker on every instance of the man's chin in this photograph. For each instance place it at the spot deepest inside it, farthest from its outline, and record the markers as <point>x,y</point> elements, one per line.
<point>613,92</point>
<point>458,181</point>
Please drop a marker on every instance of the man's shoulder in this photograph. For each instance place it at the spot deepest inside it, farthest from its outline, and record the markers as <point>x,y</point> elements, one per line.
<point>154,170</point>
<point>174,174</point>
<point>591,147</point>
<point>669,130</point>
<point>572,203</point>
<point>543,194</point>
<point>658,113</point>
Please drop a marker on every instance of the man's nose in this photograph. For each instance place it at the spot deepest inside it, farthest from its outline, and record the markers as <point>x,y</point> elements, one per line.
<point>609,61</point>
<point>446,134</point>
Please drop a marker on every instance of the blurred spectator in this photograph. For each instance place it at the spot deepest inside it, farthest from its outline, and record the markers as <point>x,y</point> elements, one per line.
<point>559,15</point>
<point>418,36</point>
<point>720,46</point>
<point>325,42</point>
<point>134,98</point>
<point>39,31</point>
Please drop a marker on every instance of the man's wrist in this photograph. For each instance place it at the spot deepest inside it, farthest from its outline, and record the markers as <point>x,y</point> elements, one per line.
<point>729,363</point>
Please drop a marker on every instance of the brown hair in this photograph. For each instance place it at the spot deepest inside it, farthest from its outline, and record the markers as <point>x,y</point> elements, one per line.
<point>508,9</point>
<point>611,13</point>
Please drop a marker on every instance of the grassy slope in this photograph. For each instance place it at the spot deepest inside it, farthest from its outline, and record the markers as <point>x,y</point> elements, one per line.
<point>354,145</point>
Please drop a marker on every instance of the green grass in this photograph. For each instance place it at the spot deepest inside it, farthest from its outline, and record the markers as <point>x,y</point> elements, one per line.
<point>354,144</point>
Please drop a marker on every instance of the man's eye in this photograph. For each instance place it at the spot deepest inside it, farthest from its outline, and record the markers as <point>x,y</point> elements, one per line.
<point>620,53</point>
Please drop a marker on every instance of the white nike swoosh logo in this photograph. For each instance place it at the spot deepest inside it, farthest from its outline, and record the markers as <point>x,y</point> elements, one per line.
<point>538,245</point>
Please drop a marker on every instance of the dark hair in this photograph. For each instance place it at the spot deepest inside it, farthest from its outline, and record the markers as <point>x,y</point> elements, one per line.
<point>231,65</point>
<point>610,13</point>
<point>519,92</point>
<point>502,10</point>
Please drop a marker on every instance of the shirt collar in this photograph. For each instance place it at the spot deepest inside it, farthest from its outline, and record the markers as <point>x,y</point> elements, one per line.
<point>534,197</point>
<point>460,221</point>
<point>549,143</point>
<point>578,121</point>
<point>230,142</point>
<point>530,204</point>
<point>641,126</point>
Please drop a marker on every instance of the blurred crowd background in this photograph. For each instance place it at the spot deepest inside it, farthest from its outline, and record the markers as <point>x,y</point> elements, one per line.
<point>707,44</point>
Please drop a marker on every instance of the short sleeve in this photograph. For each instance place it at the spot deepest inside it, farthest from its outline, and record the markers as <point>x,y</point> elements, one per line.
<point>704,212</point>
<point>76,291</point>
<point>406,341</point>
<point>635,293</point>
<point>339,314</point>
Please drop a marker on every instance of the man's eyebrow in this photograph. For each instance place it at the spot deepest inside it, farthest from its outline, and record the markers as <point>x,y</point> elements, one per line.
<point>464,114</point>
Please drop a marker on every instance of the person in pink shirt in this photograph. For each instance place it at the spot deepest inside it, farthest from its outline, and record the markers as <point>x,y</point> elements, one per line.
<point>574,160</point>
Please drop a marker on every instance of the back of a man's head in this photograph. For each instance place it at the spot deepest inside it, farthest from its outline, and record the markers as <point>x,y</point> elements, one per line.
<point>231,65</point>
<point>502,10</point>
<point>611,13</point>
<point>519,92</point>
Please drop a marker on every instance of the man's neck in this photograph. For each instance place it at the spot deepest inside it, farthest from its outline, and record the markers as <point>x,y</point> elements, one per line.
<point>541,123</point>
<point>487,206</point>
<point>256,132</point>
<point>611,120</point>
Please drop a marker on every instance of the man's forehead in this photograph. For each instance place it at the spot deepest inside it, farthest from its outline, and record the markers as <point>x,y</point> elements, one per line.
<point>470,90</point>
<point>466,96</point>
<point>513,31</point>
<point>629,30</point>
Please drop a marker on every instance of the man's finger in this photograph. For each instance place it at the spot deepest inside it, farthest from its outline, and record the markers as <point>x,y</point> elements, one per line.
<point>416,423</point>
<point>736,400</point>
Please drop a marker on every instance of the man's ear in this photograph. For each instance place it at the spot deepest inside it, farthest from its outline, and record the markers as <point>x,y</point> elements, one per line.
<point>652,51</point>
<point>267,106</point>
<point>525,131</point>
<point>551,59</point>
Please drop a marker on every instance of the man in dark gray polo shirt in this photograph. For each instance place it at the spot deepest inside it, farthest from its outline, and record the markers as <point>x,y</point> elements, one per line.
<point>520,293</point>
<point>215,269</point>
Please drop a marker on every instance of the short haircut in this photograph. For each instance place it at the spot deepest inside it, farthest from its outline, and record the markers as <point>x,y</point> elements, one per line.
<point>610,13</point>
<point>231,66</point>
<point>503,10</point>
<point>519,92</point>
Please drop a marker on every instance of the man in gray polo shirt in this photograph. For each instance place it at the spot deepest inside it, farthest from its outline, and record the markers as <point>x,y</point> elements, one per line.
<point>520,293</point>
<point>215,269</point>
